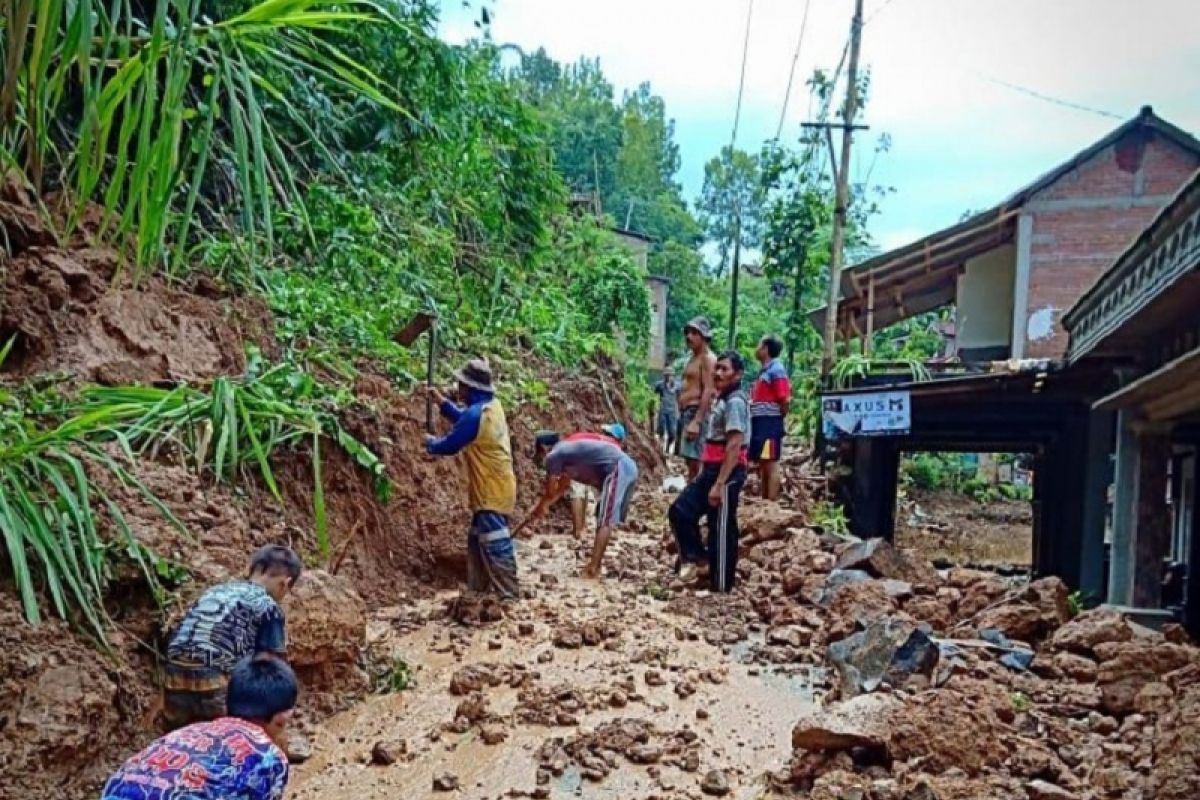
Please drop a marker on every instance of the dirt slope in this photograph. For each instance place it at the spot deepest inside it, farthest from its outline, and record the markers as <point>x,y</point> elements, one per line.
<point>67,712</point>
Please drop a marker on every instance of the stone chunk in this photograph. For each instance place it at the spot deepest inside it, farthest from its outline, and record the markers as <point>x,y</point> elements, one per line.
<point>889,651</point>
<point>862,721</point>
<point>1091,628</point>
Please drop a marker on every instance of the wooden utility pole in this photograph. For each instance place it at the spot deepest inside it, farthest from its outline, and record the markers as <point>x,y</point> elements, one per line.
<point>737,268</point>
<point>843,195</point>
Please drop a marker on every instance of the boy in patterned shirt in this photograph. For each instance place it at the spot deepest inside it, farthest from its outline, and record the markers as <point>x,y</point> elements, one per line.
<point>237,757</point>
<point>229,622</point>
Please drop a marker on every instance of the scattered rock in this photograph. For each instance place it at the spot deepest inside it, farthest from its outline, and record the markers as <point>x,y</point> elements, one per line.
<point>715,783</point>
<point>384,754</point>
<point>445,782</point>
<point>492,734</point>
<point>1092,628</point>
<point>1042,790</point>
<point>1075,667</point>
<point>299,748</point>
<point>888,651</point>
<point>881,560</point>
<point>862,721</point>
<point>569,639</point>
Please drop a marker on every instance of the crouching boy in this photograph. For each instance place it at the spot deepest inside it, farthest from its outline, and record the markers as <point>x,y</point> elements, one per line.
<point>239,756</point>
<point>229,622</point>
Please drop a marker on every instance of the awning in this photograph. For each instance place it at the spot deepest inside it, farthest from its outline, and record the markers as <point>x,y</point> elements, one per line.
<point>916,278</point>
<point>1169,392</point>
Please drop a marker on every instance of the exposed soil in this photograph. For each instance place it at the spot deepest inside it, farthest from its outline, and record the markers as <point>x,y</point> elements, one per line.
<point>950,528</point>
<point>77,315</point>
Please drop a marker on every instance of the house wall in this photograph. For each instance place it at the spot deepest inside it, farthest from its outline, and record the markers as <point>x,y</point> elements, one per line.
<point>1083,221</point>
<point>984,305</point>
<point>658,322</point>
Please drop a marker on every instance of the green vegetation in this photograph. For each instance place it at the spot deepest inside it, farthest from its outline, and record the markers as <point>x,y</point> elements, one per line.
<point>957,472</point>
<point>343,163</point>
<point>831,518</point>
<point>395,677</point>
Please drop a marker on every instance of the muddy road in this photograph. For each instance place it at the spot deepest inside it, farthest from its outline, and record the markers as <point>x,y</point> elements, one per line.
<point>584,689</point>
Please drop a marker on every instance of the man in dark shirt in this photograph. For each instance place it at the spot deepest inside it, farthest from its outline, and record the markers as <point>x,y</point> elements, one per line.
<point>715,490</point>
<point>229,622</point>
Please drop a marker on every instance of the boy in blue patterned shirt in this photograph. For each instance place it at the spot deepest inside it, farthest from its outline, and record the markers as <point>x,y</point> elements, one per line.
<point>229,622</point>
<point>236,757</point>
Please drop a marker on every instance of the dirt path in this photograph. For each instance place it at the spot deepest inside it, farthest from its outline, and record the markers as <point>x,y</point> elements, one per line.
<point>689,707</point>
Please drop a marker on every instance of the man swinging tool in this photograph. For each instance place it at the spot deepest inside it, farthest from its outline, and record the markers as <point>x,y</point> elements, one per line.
<point>594,460</point>
<point>481,432</point>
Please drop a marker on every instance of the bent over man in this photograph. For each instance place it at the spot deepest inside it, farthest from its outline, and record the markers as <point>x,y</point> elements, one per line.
<point>714,492</point>
<point>593,460</point>
<point>480,432</point>
<point>240,755</point>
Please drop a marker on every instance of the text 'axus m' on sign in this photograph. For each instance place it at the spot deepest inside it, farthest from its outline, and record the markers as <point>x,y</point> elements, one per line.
<point>872,414</point>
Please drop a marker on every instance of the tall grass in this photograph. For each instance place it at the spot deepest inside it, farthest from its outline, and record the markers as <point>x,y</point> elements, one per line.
<point>233,428</point>
<point>49,521</point>
<point>140,112</point>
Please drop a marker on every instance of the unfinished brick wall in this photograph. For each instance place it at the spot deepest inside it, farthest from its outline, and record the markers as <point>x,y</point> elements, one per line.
<point>1086,219</point>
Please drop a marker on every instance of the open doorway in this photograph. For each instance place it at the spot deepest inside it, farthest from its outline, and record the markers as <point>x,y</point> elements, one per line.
<point>967,509</point>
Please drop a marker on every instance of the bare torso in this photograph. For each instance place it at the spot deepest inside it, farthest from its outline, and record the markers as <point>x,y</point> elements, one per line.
<point>693,377</point>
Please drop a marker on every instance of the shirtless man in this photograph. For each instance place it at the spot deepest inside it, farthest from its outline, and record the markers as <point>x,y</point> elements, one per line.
<point>696,396</point>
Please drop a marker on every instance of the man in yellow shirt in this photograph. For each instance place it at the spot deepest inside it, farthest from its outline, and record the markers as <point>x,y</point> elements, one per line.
<point>480,432</point>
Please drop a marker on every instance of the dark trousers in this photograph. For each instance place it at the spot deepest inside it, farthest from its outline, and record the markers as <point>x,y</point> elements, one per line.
<point>691,506</point>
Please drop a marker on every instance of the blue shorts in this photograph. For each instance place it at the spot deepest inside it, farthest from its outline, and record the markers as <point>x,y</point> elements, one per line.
<point>766,438</point>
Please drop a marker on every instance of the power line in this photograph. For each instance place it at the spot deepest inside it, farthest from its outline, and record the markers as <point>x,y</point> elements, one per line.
<point>877,11</point>
<point>1045,97</point>
<point>737,211</point>
<point>737,114</point>
<point>792,72</point>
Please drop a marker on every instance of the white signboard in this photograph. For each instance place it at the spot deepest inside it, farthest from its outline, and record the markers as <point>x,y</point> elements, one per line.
<point>870,414</point>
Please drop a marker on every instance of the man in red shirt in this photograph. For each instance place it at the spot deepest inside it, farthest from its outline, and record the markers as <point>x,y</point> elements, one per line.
<point>770,399</point>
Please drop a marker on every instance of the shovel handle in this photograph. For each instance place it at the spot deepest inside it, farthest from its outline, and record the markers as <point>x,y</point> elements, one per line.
<point>429,379</point>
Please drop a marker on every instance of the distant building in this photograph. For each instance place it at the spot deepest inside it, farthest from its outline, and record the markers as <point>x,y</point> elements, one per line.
<point>657,287</point>
<point>1054,257</point>
<point>1012,271</point>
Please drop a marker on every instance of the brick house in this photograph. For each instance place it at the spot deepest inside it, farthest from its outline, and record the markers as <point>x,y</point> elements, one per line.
<point>1012,273</point>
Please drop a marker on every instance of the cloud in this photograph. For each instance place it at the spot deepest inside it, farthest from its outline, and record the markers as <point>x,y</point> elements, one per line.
<point>960,140</point>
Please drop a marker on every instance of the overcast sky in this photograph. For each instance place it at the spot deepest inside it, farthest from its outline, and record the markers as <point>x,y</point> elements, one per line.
<point>960,140</point>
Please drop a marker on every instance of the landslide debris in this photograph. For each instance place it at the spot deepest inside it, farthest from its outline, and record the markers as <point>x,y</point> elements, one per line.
<point>961,684</point>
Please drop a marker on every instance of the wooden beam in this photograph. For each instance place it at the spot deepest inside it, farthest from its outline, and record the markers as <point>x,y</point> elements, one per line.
<point>929,249</point>
<point>870,315</point>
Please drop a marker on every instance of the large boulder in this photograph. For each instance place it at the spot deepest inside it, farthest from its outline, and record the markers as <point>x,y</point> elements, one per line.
<point>963,728</point>
<point>1029,614</point>
<point>327,631</point>
<point>326,620</point>
<point>888,651</point>
<point>1091,628</point>
<point>881,560</point>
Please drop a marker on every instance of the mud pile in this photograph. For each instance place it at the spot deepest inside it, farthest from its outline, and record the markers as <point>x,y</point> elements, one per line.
<point>78,312</point>
<point>959,684</point>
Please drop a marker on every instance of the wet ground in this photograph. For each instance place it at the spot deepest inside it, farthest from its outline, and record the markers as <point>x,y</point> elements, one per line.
<point>560,669</point>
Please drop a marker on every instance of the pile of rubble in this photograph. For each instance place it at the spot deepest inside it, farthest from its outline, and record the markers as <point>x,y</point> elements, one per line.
<point>960,684</point>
